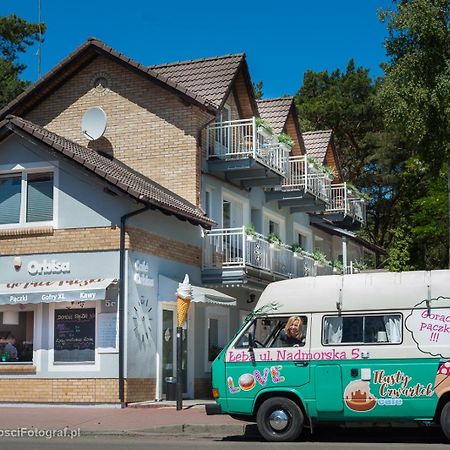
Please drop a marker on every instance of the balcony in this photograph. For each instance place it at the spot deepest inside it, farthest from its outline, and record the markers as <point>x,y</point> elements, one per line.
<point>232,257</point>
<point>346,208</point>
<point>246,154</point>
<point>305,188</point>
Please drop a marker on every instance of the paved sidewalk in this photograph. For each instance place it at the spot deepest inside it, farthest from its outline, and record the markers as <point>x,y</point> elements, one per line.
<point>146,418</point>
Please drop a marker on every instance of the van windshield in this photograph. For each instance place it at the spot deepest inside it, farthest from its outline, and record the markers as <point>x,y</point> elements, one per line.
<point>286,331</point>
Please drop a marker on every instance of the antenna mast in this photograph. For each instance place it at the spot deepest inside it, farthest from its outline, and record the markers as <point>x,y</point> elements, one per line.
<point>40,41</point>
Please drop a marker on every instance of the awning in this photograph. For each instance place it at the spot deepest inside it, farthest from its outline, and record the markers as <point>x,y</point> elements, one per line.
<point>54,291</point>
<point>208,295</point>
<point>167,288</point>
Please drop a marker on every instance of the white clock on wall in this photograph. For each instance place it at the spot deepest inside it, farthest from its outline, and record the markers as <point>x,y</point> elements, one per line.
<point>142,320</point>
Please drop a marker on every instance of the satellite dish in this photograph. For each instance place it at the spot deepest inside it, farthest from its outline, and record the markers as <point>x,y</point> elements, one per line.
<point>93,123</point>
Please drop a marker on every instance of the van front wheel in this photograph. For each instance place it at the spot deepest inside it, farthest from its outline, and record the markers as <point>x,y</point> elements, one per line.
<point>445,420</point>
<point>280,419</point>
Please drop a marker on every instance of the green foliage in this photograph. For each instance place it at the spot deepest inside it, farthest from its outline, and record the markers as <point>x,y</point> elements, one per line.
<point>400,250</point>
<point>250,230</point>
<point>258,90</point>
<point>16,34</point>
<point>344,102</point>
<point>296,248</point>
<point>415,92</point>
<point>319,257</point>
<point>285,139</point>
<point>261,123</point>
<point>273,238</point>
<point>338,265</point>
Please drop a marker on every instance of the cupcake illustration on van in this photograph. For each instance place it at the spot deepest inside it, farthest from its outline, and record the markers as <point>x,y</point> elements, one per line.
<point>358,398</point>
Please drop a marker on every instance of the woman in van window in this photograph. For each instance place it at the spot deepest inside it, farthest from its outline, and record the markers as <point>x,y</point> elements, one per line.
<point>292,334</point>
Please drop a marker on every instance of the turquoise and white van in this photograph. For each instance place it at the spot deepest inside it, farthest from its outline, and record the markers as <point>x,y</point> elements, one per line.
<point>376,347</point>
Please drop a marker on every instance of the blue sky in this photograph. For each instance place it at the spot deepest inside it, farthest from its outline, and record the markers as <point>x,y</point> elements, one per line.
<point>282,39</point>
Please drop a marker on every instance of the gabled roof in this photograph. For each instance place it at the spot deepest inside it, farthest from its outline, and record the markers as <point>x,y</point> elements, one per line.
<point>316,143</point>
<point>210,78</point>
<point>121,176</point>
<point>275,111</point>
<point>82,56</point>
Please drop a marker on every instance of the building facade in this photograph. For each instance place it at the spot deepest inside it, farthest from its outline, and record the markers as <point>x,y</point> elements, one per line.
<point>190,175</point>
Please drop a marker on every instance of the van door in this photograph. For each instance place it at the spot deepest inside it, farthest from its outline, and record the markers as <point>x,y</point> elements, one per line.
<point>259,361</point>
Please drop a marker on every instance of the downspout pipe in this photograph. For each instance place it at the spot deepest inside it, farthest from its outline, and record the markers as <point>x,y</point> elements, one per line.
<point>122,275</point>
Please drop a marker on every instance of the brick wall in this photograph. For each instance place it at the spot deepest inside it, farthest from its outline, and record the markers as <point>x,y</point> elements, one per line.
<point>97,239</point>
<point>163,247</point>
<point>149,128</point>
<point>73,390</point>
<point>58,241</point>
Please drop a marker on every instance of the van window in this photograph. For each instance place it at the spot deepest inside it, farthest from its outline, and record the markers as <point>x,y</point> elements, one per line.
<point>368,329</point>
<point>287,331</point>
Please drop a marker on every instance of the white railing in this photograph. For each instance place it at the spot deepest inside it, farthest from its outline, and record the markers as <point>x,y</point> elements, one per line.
<point>239,139</point>
<point>344,200</point>
<point>233,248</point>
<point>304,176</point>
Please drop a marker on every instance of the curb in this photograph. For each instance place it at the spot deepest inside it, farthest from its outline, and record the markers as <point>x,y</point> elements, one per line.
<point>181,429</point>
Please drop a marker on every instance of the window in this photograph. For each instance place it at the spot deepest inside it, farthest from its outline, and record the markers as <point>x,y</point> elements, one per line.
<point>217,325</point>
<point>26,198</point>
<point>274,227</point>
<point>226,210</point>
<point>270,333</point>
<point>16,336</point>
<point>370,329</point>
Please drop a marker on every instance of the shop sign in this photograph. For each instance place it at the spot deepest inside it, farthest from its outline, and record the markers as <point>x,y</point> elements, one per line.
<point>48,267</point>
<point>141,273</point>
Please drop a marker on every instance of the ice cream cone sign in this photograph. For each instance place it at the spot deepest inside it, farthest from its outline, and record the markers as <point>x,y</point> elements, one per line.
<point>184,297</point>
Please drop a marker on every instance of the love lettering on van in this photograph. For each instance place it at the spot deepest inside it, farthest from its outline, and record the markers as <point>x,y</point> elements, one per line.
<point>399,384</point>
<point>430,328</point>
<point>291,354</point>
<point>247,381</point>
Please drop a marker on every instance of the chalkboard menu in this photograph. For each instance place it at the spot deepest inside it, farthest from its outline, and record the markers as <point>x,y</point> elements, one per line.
<point>74,335</point>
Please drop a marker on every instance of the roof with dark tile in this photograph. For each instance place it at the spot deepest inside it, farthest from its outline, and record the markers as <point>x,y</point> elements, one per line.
<point>316,143</point>
<point>123,177</point>
<point>210,78</point>
<point>85,53</point>
<point>275,111</point>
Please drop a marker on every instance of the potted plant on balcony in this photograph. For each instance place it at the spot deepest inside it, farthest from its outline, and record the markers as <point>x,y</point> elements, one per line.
<point>314,163</point>
<point>250,232</point>
<point>263,127</point>
<point>358,266</point>
<point>329,172</point>
<point>274,240</point>
<point>320,259</point>
<point>285,141</point>
<point>338,266</point>
<point>298,251</point>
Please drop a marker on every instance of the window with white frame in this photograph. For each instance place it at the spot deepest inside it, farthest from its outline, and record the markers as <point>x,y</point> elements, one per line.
<point>26,198</point>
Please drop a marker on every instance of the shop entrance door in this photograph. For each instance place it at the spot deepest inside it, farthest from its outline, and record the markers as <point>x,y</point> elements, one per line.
<point>169,351</point>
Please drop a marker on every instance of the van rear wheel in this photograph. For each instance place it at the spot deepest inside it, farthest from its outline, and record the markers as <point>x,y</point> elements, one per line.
<point>280,419</point>
<point>445,420</point>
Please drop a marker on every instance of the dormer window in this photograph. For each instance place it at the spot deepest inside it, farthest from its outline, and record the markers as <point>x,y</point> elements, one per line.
<point>26,198</point>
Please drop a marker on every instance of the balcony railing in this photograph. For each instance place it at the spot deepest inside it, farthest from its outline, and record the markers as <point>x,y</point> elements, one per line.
<point>240,139</point>
<point>231,248</point>
<point>345,201</point>
<point>304,176</point>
